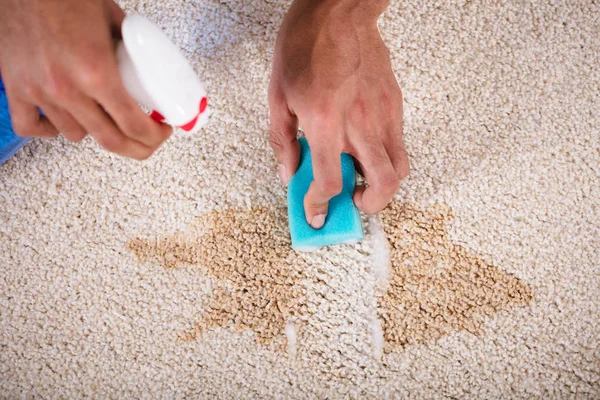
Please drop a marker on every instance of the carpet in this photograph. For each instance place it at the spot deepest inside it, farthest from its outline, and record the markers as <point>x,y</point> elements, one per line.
<point>174,277</point>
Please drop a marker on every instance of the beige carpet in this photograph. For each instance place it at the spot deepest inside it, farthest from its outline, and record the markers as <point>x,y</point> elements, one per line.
<point>174,277</point>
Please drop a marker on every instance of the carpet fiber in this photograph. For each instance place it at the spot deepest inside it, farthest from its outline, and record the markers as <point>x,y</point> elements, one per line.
<point>175,277</point>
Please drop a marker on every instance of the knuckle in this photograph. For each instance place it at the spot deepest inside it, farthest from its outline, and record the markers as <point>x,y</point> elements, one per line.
<point>359,110</point>
<point>323,115</point>
<point>112,143</point>
<point>389,185</point>
<point>315,206</point>
<point>276,140</point>
<point>135,125</point>
<point>54,82</point>
<point>139,132</point>
<point>387,105</point>
<point>390,104</point>
<point>57,87</point>
<point>92,73</point>
<point>32,91</point>
<point>330,187</point>
<point>24,127</point>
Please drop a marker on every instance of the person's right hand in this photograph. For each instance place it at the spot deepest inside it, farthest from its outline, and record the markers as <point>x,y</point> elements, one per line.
<point>332,73</point>
<point>59,56</point>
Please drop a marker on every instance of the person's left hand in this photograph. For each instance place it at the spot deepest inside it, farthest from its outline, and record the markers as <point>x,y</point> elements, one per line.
<point>58,56</point>
<point>332,74</point>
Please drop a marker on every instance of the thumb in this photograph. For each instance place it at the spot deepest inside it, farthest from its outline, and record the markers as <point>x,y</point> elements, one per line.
<point>283,132</point>
<point>327,183</point>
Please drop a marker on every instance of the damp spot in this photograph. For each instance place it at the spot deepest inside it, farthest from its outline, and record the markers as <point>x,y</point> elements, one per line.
<point>435,286</point>
<point>248,254</point>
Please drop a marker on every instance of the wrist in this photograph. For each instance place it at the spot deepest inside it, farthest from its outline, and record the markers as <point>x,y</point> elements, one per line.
<point>355,12</point>
<point>358,8</point>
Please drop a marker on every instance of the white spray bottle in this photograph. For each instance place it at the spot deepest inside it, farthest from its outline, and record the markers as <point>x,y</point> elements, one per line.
<point>158,76</point>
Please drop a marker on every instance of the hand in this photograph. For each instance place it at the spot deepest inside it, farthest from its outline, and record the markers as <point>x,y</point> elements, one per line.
<point>332,74</point>
<point>59,56</point>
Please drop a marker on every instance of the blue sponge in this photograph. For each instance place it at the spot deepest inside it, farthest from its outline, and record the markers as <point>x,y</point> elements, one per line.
<point>343,224</point>
<point>10,143</point>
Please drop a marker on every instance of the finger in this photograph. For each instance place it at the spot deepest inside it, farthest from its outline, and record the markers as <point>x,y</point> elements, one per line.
<point>394,146</point>
<point>381,177</point>
<point>101,81</point>
<point>283,132</point>
<point>64,123</point>
<point>126,113</point>
<point>101,127</point>
<point>401,163</point>
<point>27,120</point>
<point>327,169</point>
<point>397,154</point>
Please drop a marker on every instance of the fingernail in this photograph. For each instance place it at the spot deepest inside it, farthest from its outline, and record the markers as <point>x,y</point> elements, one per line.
<point>283,174</point>
<point>318,221</point>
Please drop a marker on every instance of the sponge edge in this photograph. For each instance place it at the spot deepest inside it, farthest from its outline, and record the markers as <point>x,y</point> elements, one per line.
<point>343,224</point>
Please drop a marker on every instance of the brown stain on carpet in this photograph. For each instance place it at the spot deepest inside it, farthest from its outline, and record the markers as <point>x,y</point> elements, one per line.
<point>249,255</point>
<point>435,286</point>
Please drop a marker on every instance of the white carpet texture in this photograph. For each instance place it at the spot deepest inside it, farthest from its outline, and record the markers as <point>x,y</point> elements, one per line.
<point>174,278</point>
